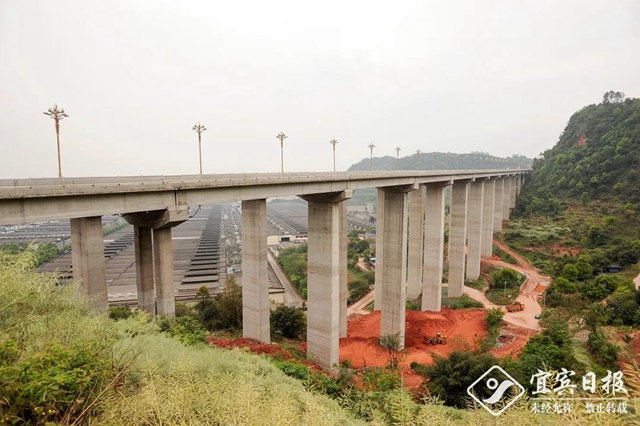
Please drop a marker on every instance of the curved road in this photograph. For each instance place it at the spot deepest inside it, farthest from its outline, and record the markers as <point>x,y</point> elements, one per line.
<point>528,294</point>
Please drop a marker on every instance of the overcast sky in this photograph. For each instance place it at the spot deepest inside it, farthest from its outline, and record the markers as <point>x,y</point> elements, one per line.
<point>135,76</point>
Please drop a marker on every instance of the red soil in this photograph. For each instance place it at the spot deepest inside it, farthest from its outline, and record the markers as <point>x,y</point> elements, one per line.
<point>462,328</point>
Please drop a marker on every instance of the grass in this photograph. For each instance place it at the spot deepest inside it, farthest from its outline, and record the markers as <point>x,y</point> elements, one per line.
<point>497,296</point>
<point>479,284</point>
<point>504,256</point>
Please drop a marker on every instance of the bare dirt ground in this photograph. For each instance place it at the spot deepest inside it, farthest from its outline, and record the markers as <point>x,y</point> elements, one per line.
<point>462,328</point>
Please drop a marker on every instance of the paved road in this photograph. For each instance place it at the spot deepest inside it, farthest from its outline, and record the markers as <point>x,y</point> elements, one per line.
<point>291,296</point>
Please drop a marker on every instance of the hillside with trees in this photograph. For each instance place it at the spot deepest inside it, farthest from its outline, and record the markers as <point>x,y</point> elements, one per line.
<point>443,161</point>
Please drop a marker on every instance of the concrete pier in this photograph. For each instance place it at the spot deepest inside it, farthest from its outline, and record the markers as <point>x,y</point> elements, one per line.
<point>394,231</point>
<point>255,271</point>
<point>457,238</point>
<point>324,277</point>
<point>163,264</point>
<point>87,258</point>
<point>514,191</point>
<point>379,283</point>
<point>497,205</point>
<point>344,289</point>
<point>487,217</point>
<point>433,248</point>
<point>474,229</point>
<point>415,254</point>
<point>506,198</point>
<point>143,243</point>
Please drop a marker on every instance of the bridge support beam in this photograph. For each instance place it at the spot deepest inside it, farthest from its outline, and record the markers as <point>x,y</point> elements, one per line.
<point>416,232</point>
<point>457,237</point>
<point>474,228</point>
<point>163,263</point>
<point>392,271</point>
<point>379,283</point>
<point>344,289</point>
<point>497,210</point>
<point>255,272</point>
<point>143,244</point>
<point>152,238</point>
<point>433,248</point>
<point>488,197</point>
<point>514,192</point>
<point>87,258</point>
<point>324,276</point>
<point>506,198</point>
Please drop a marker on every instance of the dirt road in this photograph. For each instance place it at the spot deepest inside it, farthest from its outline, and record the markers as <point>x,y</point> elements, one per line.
<point>532,287</point>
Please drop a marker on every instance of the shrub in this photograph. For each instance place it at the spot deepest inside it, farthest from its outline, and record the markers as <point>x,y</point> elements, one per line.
<point>120,312</point>
<point>288,321</point>
<point>494,317</point>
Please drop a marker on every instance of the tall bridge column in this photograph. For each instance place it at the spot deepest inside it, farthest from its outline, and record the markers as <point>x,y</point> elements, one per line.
<point>324,266</point>
<point>506,198</point>
<point>379,283</point>
<point>416,231</point>
<point>514,192</point>
<point>457,237</point>
<point>255,271</point>
<point>163,263</point>
<point>393,229</point>
<point>152,239</point>
<point>143,244</point>
<point>344,288</point>
<point>497,210</point>
<point>87,258</point>
<point>474,228</point>
<point>487,217</point>
<point>433,248</point>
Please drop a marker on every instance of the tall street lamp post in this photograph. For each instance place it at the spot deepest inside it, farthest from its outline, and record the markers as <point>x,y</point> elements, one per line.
<point>418,152</point>
<point>371,146</point>
<point>397,157</point>
<point>334,142</point>
<point>282,137</point>
<point>199,129</point>
<point>57,115</point>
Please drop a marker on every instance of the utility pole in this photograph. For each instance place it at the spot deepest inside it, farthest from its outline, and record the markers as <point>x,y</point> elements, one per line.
<point>371,146</point>
<point>334,142</point>
<point>199,129</point>
<point>57,115</point>
<point>282,137</point>
<point>397,157</point>
<point>418,152</point>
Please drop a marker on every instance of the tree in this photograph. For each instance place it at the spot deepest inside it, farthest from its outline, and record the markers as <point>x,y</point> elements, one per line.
<point>584,269</point>
<point>612,97</point>
<point>597,236</point>
<point>203,293</point>
<point>564,286</point>
<point>570,272</point>
<point>229,305</point>
<point>290,322</point>
<point>449,378</point>
<point>594,290</point>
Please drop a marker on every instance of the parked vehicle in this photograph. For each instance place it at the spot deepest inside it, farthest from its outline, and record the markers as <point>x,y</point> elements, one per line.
<point>515,307</point>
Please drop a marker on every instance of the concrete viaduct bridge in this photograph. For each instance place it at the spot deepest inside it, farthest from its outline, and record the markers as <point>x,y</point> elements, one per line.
<point>409,236</point>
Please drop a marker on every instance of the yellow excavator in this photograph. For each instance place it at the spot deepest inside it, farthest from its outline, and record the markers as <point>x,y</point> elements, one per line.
<point>438,339</point>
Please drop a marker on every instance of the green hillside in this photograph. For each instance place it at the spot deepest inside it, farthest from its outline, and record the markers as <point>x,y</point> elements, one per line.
<point>596,157</point>
<point>582,195</point>
<point>443,161</point>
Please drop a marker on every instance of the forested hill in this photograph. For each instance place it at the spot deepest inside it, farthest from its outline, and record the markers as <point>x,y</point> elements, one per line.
<point>597,157</point>
<point>443,161</point>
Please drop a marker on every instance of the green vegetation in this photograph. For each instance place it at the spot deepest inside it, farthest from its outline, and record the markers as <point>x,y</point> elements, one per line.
<point>504,256</point>
<point>504,286</point>
<point>113,227</point>
<point>288,322</point>
<point>463,302</point>
<point>43,252</point>
<point>294,263</point>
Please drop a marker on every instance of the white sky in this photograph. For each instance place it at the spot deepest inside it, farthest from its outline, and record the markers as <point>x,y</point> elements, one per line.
<point>135,76</point>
